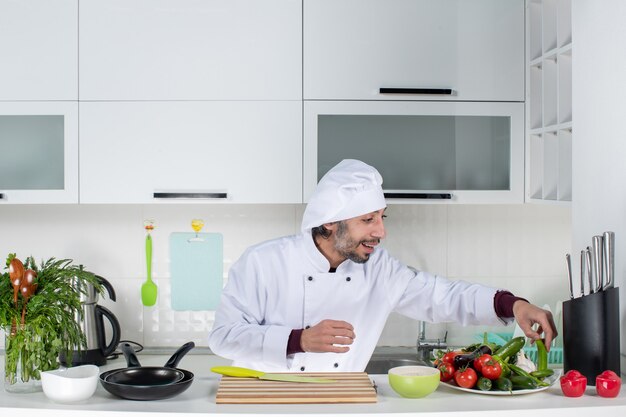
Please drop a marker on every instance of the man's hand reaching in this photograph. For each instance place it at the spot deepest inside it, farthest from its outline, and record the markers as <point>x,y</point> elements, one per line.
<point>527,315</point>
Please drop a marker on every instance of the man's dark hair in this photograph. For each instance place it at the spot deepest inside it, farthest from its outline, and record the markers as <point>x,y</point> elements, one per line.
<point>321,231</point>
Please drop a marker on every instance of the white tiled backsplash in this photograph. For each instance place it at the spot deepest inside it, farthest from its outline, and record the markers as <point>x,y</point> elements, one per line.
<point>518,247</point>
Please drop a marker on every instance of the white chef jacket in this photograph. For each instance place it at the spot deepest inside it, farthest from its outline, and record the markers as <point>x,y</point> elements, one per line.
<point>284,284</point>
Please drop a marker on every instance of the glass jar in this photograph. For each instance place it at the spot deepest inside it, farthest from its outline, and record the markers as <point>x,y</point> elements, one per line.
<point>22,370</point>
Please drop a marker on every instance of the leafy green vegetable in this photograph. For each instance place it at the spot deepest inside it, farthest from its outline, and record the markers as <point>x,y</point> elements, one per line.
<point>50,326</point>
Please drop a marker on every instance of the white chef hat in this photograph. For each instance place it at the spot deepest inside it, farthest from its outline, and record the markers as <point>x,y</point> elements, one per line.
<point>350,189</point>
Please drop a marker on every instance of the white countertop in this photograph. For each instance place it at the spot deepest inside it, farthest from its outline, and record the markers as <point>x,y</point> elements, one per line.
<point>200,399</point>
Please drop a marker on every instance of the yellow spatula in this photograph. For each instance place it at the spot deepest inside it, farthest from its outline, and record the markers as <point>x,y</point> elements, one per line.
<point>250,373</point>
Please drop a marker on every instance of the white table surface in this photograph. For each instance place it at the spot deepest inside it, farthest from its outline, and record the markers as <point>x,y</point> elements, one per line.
<point>200,399</point>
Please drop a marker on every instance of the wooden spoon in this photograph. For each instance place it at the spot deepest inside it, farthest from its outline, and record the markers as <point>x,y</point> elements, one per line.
<point>27,290</point>
<point>16,274</point>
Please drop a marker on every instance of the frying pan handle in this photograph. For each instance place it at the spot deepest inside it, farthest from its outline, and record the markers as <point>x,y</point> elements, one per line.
<point>178,355</point>
<point>129,354</point>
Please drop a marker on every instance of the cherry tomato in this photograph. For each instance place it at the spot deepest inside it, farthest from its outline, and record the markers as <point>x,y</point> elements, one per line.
<point>573,384</point>
<point>608,384</point>
<point>465,377</point>
<point>449,357</point>
<point>491,369</point>
<point>446,371</point>
<point>478,362</point>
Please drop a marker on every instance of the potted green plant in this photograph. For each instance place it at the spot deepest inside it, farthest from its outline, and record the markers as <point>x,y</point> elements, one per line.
<point>39,307</point>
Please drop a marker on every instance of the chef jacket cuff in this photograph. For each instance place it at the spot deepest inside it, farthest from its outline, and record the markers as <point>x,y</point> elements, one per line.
<point>503,304</point>
<point>274,343</point>
<point>293,345</point>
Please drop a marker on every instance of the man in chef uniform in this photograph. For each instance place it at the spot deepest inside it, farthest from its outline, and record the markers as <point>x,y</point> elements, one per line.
<point>318,301</point>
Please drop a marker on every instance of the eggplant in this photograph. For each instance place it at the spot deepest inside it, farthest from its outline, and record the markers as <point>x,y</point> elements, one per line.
<point>462,361</point>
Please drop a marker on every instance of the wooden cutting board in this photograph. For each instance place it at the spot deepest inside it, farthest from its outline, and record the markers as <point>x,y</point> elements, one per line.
<point>350,387</point>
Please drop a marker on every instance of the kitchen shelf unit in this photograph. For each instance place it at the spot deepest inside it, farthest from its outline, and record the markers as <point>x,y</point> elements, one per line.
<point>549,101</point>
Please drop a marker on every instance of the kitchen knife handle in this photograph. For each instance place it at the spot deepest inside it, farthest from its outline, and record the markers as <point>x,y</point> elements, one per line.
<point>589,269</point>
<point>568,262</point>
<point>583,271</point>
<point>598,257</point>
<point>237,371</point>
<point>431,91</point>
<point>609,257</point>
<point>434,196</point>
<point>191,195</point>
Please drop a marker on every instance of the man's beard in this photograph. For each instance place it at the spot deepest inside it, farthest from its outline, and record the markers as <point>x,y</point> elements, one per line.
<point>346,246</point>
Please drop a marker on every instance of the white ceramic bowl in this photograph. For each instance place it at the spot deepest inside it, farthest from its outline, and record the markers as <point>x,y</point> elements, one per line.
<point>69,385</point>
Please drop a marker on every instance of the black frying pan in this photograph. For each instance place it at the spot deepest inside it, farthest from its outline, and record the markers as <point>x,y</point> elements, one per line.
<point>138,382</point>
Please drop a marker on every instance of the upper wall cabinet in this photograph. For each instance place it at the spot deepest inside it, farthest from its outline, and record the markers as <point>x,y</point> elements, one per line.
<point>204,151</point>
<point>414,49</point>
<point>38,152</point>
<point>434,152</point>
<point>38,50</point>
<point>191,50</point>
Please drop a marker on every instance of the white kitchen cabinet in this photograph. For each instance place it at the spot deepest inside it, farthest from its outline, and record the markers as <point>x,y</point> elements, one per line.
<point>474,48</point>
<point>160,152</point>
<point>549,101</point>
<point>191,50</point>
<point>39,50</point>
<point>38,152</point>
<point>435,152</point>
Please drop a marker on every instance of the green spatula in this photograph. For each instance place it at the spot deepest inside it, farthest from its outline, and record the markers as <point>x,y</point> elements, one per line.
<point>250,373</point>
<point>149,288</point>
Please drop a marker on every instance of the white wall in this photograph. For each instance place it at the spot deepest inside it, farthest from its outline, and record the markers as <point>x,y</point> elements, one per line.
<point>599,134</point>
<point>519,247</point>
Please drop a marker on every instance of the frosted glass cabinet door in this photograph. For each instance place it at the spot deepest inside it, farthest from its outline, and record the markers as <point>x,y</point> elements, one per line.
<point>38,152</point>
<point>38,50</point>
<point>353,48</point>
<point>191,50</point>
<point>162,152</point>
<point>441,151</point>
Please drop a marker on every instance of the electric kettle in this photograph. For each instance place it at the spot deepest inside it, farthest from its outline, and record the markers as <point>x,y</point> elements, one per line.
<point>93,326</point>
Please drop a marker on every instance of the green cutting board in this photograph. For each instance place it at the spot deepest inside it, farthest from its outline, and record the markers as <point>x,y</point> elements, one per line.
<point>196,270</point>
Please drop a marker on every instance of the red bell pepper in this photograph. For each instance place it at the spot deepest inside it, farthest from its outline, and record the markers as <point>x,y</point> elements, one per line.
<point>573,384</point>
<point>608,384</point>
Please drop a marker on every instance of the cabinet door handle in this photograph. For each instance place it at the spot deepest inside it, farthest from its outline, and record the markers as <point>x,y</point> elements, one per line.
<point>431,91</point>
<point>219,195</point>
<point>430,196</point>
<point>1,196</point>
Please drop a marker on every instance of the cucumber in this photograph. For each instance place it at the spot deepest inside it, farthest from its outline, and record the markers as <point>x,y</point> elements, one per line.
<point>522,382</point>
<point>511,348</point>
<point>484,384</point>
<point>520,372</point>
<point>504,384</point>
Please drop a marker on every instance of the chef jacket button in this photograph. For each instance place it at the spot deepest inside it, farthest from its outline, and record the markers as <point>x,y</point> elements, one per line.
<point>310,278</point>
<point>336,365</point>
<point>348,279</point>
<point>302,368</point>
<point>307,327</point>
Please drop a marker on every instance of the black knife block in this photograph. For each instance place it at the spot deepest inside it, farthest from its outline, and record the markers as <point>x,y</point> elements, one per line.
<point>591,334</point>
